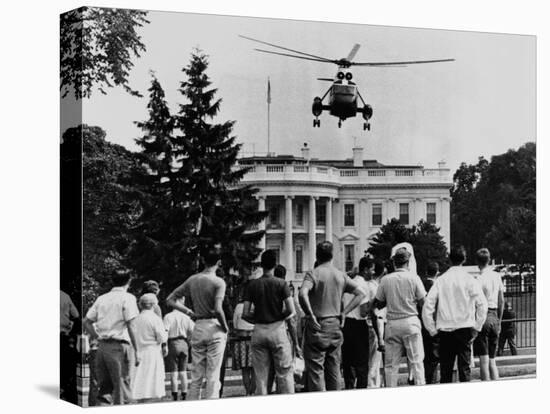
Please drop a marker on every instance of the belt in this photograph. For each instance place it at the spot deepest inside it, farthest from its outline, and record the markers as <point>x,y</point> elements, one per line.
<point>322,318</point>
<point>203,318</point>
<point>114,340</point>
<point>177,338</point>
<point>492,309</point>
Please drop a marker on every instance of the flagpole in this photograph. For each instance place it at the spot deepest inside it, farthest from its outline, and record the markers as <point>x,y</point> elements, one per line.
<point>268,116</point>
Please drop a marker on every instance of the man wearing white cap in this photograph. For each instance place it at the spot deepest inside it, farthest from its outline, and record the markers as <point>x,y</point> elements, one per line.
<point>402,292</point>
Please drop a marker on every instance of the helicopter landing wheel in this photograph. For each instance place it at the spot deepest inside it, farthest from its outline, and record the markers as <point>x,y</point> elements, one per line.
<point>339,124</point>
<point>316,123</point>
<point>366,126</point>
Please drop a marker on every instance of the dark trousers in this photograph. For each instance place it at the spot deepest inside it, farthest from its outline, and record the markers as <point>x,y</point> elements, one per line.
<point>510,337</point>
<point>431,356</point>
<point>112,369</point>
<point>322,354</point>
<point>68,360</point>
<point>355,353</point>
<point>457,345</point>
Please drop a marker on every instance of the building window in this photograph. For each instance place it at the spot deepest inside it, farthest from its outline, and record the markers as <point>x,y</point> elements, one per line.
<point>349,215</point>
<point>404,213</point>
<point>377,214</point>
<point>299,259</point>
<point>277,251</point>
<point>349,259</point>
<point>321,214</point>
<point>430,213</point>
<point>299,219</point>
<point>273,218</point>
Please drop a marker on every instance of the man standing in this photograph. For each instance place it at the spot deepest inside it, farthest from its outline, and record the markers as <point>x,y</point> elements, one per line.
<point>376,324</point>
<point>68,357</point>
<point>321,299</point>
<point>270,344</point>
<point>508,330</point>
<point>431,343</point>
<point>402,292</point>
<point>355,349</point>
<point>111,320</point>
<point>455,308</point>
<point>180,328</point>
<point>205,291</point>
<point>485,345</point>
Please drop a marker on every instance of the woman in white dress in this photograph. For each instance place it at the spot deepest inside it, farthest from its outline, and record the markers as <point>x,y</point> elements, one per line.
<point>148,381</point>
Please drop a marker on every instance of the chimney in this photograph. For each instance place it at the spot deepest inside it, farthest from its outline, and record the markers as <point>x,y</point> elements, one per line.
<point>442,164</point>
<point>305,152</point>
<point>357,156</point>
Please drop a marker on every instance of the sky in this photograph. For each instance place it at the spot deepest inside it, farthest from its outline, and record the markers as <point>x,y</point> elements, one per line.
<point>482,104</point>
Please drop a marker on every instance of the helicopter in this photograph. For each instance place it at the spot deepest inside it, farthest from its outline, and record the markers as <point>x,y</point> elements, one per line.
<point>343,94</point>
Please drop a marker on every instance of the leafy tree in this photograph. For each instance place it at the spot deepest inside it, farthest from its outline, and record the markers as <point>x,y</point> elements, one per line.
<point>203,203</point>
<point>428,244</point>
<point>494,205</point>
<point>97,48</point>
<point>111,205</point>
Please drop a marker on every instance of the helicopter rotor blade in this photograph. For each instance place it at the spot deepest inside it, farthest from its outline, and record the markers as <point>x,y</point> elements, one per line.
<point>287,49</point>
<point>294,56</point>
<point>413,62</point>
<point>353,52</point>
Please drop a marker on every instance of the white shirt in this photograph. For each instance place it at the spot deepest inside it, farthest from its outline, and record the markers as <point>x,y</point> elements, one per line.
<point>178,324</point>
<point>491,284</point>
<point>456,300</point>
<point>111,312</point>
<point>380,313</point>
<point>149,329</point>
<point>408,247</point>
<point>370,291</point>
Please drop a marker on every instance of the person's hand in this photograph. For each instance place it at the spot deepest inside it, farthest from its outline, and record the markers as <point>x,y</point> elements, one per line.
<point>381,346</point>
<point>298,351</point>
<point>314,323</point>
<point>138,359</point>
<point>342,320</point>
<point>164,350</point>
<point>474,333</point>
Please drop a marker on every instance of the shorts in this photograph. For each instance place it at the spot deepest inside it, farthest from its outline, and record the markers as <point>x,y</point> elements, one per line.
<point>178,353</point>
<point>486,341</point>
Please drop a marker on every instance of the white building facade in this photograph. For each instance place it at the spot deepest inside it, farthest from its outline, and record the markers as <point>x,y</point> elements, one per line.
<point>343,201</point>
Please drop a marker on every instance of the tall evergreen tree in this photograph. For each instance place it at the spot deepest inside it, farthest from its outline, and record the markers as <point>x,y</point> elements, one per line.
<point>220,210</point>
<point>198,202</point>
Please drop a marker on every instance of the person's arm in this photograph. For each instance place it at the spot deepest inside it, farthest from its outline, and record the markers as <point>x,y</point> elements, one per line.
<point>291,326</point>
<point>289,311</point>
<point>358,296</point>
<point>303,297</point>
<point>218,307</point>
<point>376,325</point>
<point>89,327</point>
<point>173,302</point>
<point>500,304</point>
<point>132,332</point>
<point>428,309</point>
<point>480,305</point>
<point>248,314</point>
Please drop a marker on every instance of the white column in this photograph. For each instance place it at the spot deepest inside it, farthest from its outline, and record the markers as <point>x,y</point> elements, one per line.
<point>445,223</point>
<point>391,209</point>
<point>312,225</point>
<point>261,225</point>
<point>289,262</point>
<point>362,226</point>
<point>328,220</point>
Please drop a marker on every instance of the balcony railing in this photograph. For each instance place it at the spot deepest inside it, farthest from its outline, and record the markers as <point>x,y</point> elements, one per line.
<point>326,174</point>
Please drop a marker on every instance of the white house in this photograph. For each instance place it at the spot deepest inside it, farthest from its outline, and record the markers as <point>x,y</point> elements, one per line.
<point>343,201</point>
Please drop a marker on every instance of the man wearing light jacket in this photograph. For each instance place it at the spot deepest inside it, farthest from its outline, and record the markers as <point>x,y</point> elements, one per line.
<point>455,308</point>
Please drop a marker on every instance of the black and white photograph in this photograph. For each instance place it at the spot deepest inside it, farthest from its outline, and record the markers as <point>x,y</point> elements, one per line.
<point>254,206</point>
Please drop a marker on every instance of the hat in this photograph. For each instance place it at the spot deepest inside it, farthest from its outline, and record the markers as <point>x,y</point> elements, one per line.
<point>401,256</point>
<point>148,298</point>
